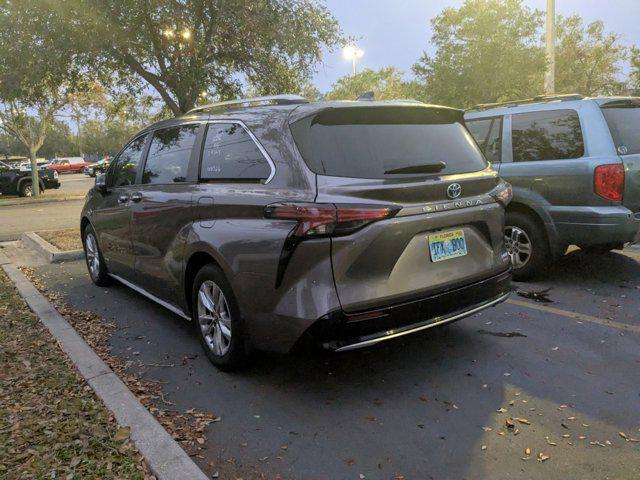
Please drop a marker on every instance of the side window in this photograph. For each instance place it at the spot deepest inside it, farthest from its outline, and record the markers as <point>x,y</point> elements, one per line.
<point>547,135</point>
<point>169,154</point>
<point>125,166</point>
<point>487,133</point>
<point>230,154</point>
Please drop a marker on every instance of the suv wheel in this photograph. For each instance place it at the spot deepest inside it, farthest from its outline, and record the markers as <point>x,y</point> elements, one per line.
<point>95,263</point>
<point>527,245</point>
<point>216,319</point>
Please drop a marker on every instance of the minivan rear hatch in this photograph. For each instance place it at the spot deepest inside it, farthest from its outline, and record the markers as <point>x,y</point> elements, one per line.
<point>623,118</point>
<point>422,162</point>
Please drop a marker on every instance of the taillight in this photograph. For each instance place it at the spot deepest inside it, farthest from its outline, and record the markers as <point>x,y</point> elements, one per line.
<point>321,219</point>
<point>608,181</point>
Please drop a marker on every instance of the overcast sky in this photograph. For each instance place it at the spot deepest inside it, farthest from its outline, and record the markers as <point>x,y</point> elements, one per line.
<point>395,33</point>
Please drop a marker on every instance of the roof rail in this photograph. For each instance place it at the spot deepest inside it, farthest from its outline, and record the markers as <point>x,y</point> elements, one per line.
<point>537,99</point>
<point>269,100</point>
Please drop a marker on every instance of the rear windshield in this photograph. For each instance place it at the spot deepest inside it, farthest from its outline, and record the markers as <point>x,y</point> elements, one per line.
<point>386,142</point>
<point>624,123</point>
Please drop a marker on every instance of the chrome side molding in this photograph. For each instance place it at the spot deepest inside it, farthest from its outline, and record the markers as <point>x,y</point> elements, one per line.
<point>150,296</point>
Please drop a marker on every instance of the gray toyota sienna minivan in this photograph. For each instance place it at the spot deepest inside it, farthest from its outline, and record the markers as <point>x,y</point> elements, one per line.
<point>274,222</point>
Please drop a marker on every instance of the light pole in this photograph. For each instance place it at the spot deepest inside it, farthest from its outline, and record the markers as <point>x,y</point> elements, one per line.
<point>550,37</point>
<point>353,53</point>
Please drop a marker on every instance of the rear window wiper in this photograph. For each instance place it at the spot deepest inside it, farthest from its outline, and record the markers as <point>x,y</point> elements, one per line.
<point>425,168</point>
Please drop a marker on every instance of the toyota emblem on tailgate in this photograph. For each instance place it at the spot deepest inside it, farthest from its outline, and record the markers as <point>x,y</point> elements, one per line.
<point>454,190</point>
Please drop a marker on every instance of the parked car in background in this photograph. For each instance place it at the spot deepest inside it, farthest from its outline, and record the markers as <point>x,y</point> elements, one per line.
<point>68,164</point>
<point>574,164</point>
<point>96,168</point>
<point>14,181</point>
<point>274,222</point>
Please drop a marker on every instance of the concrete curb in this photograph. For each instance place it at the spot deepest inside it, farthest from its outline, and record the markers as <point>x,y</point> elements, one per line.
<point>21,201</point>
<point>164,456</point>
<point>50,252</point>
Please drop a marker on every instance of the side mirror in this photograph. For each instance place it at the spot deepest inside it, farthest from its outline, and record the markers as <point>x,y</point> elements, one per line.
<point>101,183</point>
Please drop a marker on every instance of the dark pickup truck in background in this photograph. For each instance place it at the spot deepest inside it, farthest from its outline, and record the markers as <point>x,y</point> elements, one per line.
<point>13,181</point>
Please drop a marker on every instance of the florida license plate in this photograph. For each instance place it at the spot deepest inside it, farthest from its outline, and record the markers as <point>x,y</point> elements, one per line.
<point>445,245</point>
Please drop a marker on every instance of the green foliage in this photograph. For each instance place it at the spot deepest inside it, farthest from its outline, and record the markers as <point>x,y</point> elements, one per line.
<point>181,49</point>
<point>486,51</point>
<point>106,137</point>
<point>587,58</point>
<point>386,83</point>
<point>634,77</point>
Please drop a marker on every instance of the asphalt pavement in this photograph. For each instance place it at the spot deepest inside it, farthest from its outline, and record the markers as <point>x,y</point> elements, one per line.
<point>428,406</point>
<point>47,215</point>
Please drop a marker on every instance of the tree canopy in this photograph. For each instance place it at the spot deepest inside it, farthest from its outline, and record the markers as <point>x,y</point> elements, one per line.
<point>486,51</point>
<point>588,60</point>
<point>493,50</point>
<point>183,49</point>
<point>386,83</point>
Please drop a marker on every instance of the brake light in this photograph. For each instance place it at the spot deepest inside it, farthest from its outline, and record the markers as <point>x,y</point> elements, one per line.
<point>318,219</point>
<point>608,181</point>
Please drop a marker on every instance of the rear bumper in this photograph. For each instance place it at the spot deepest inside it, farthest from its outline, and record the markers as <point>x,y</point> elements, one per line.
<point>595,225</point>
<point>341,332</point>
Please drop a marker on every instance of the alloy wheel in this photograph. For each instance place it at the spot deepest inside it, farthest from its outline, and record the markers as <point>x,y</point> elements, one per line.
<point>214,318</point>
<point>28,191</point>
<point>93,257</point>
<point>518,246</point>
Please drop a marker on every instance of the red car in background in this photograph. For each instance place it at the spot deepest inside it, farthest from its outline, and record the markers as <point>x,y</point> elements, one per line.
<point>68,165</point>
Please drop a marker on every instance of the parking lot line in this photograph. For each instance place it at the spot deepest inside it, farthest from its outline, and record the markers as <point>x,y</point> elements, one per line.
<point>576,316</point>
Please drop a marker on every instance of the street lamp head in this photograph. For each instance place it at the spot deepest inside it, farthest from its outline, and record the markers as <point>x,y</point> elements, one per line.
<point>186,34</point>
<point>351,52</point>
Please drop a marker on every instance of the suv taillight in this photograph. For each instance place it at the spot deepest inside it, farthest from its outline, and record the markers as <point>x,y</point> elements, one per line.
<point>322,219</point>
<point>608,181</point>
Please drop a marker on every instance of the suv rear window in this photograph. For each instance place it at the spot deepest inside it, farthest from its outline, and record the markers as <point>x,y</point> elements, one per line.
<point>386,142</point>
<point>624,123</point>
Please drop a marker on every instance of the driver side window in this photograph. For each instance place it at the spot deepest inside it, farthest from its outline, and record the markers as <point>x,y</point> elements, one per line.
<point>125,167</point>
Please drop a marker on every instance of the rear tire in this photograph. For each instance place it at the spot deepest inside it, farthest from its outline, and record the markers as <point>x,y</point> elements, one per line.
<point>216,319</point>
<point>527,245</point>
<point>93,257</point>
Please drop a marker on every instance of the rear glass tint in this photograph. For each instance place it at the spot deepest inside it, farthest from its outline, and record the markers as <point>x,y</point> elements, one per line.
<point>372,142</point>
<point>624,123</point>
<point>546,135</point>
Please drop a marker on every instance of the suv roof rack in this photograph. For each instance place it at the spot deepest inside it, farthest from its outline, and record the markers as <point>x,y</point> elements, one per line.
<point>268,100</point>
<point>537,99</point>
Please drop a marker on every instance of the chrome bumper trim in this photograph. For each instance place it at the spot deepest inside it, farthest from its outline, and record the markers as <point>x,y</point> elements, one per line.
<point>432,323</point>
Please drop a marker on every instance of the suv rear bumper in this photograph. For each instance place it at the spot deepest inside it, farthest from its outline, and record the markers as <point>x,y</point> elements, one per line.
<point>595,225</point>
<point>341,332</point>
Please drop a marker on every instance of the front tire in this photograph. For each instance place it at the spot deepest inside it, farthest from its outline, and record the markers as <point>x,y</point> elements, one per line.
<point>216,319</point>
<point>26,189</point>
<point>527,245</point>
<point>95,262</point>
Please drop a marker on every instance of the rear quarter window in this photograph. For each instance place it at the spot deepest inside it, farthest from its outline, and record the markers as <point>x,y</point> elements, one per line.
<point>624,124</point>
<point>385,142</point>
<point>546,135</point>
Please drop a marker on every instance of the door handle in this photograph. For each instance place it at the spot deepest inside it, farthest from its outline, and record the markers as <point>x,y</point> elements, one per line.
<point>123,198</point>
<point>136,197</point>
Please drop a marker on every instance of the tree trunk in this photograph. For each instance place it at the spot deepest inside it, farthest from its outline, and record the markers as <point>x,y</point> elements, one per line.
<point>35,178</point>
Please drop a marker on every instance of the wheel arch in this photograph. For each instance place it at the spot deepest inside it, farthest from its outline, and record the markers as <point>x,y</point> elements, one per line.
<point>197,259</point>
<point>541,218</point>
